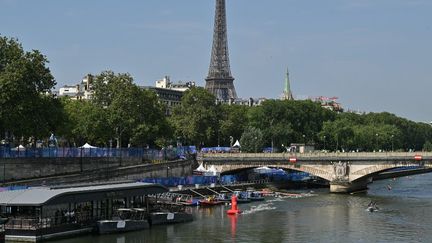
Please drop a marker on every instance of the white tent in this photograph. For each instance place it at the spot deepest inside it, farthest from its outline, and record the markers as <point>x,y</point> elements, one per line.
<point>201,168</point>
<point>212,170</point>
<point>237,144</point>
<point>20,147</point>
<point>87,146</point>
<point>263,169</point>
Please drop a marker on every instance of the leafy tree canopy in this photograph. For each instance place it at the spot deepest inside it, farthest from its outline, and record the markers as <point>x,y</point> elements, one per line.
<point>25,108</point>
<point>251,140</point>
<point>196,120</point>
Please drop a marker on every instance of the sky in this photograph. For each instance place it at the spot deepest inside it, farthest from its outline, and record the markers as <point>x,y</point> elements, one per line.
<point>374,55</point>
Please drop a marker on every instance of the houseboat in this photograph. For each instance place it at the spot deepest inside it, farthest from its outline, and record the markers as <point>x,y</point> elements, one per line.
<point>42,213</point>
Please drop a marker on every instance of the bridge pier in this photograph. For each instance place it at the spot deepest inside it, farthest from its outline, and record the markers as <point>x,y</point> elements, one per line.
<point>347,187</point>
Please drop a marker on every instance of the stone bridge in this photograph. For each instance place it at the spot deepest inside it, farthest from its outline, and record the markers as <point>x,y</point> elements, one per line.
<point>346,172</point>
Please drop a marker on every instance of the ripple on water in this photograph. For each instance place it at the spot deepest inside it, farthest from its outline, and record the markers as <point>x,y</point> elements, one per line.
<point>260,207</point>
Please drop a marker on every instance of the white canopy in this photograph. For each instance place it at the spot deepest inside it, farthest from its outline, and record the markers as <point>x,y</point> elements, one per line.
<point>212,169</point>
<point>263,168</point>
<point>86,145</point>
<point>20,147</point>
<point>201,168</point>
<point>237,144</point>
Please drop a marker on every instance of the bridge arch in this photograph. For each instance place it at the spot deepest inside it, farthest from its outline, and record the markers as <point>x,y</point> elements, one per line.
<point>321,173</point>
<point>376,169</point>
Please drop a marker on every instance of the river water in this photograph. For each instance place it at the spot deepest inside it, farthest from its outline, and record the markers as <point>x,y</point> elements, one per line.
<point>405,215</point>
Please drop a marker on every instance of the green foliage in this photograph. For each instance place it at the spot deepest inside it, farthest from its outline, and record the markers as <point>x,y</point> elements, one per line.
<point>427,146</point>
<point>196,120</point>
<point>251,140</point>
<point>374,132</point>
<point>285,122</point>
<point>86,122</point>
<point>133,115</point>
<point>233,122</point>
<point>25,107</point>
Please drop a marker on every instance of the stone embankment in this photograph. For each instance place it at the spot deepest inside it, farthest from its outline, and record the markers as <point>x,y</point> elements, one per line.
<point>50,171</point>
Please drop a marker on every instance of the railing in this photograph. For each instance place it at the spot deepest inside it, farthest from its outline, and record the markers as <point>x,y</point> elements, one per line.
<point>315,155</point>
<point>30,223</point>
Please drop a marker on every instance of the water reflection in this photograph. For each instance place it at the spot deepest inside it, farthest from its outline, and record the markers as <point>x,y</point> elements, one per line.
<point>233,220</point>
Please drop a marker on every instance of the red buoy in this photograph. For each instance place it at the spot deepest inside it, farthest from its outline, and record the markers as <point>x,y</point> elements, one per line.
<point>234,209</point>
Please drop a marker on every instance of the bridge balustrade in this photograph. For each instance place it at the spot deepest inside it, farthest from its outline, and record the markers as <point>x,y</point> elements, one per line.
<point>313,155</point>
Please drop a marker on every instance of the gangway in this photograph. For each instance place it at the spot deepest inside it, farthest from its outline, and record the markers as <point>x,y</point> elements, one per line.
<point>213,191</point>
<point>199,194</point>
<point>226,188</point>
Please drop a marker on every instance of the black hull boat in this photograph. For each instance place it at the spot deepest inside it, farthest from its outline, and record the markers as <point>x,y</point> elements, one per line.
<point>158,218</point>
<point>254,195</point>
<point>126,219</point>
<point>116,226</point>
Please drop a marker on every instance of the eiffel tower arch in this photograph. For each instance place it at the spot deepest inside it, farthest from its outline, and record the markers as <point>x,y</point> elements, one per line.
<point>220,81</point>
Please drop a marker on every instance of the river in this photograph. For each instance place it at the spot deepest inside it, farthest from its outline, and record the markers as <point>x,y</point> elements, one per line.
<point>405,215</point>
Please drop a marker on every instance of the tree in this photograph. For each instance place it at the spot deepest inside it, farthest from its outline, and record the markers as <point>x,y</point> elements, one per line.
<point>134,115</point>
<point>152,125</point>
<point>86,122</point>
<point>232,123</point>
<point>284,122</point>
<point>251,140</point>
<point>26,106</point>
<point>427,146</point>
<point>196,119</point>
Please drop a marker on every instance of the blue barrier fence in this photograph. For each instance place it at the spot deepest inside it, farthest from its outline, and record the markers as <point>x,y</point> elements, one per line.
<point>66,152</point>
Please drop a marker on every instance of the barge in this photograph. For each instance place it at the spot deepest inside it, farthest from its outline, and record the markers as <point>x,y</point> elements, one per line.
<point>43,213</point>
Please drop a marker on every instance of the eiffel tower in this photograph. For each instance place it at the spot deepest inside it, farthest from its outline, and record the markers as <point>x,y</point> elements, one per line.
<point>287,94</point>
<point>219,80</point>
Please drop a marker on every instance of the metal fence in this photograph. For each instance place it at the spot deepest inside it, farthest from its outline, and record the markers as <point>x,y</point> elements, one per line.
<point>67,152</point>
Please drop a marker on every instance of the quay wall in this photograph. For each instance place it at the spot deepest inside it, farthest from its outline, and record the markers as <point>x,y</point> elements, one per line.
<point>15,169</point>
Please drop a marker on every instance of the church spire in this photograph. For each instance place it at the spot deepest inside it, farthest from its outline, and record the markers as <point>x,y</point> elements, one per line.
<point>287,95</point>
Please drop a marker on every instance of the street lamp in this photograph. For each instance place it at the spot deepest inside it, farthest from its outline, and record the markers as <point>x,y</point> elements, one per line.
<point>376,141</point>
<point>167,171</point>
<point>392,136</point>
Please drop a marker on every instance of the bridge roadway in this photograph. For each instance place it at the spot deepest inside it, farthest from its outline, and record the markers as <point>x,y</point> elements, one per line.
<point>346,172</point>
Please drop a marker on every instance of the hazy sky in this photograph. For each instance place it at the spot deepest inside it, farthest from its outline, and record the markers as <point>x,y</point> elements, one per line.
<point>375,55</point>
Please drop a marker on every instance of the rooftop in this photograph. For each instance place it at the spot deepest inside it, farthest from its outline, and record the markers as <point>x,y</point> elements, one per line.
<point>38,196</point>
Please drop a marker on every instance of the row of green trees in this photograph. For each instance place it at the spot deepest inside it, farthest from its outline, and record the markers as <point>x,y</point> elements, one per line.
<point>121,113</point>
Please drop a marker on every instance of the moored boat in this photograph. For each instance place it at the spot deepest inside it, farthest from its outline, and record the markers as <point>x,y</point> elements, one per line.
<point>241,197</point>
<point>169,213</point>
<point>126,219</point>
<point>188,200</point>
<point>169,217</point>
<point>254,195</point>
<point>210,201</point>
<point>224,196</point>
